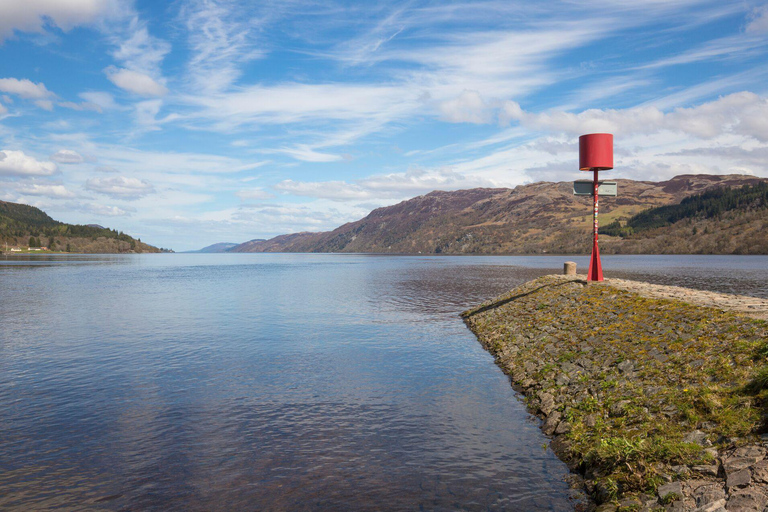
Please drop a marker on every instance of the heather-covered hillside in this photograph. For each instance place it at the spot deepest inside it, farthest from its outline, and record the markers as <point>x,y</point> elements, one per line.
<point>535,218</point>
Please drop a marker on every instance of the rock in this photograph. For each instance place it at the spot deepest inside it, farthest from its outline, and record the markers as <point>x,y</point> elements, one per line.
<point>706,470</point>
<point>680,470</point>
<point>760,471</point>
<point>747,500</point>
<point>547,403</point>
<point>676,506</point>
<point>671,488</point>
<point>740,478</point>
<point>715,506</point>
<point>630,503</point>
<point>743,458</point>
<point>603,492</point>
<point>707,495</point>
<point>550,424</point>
<point>669,411</point>
<point>650,505</point>
<point>606,507</point>
<point>697,437</point>
<point>626,367</point>
<point>563,428</point>
<point>758,452</point>
<point>712,452</point>
<point>590,420</point>
<point>562,379</point>
<point>619,408</point>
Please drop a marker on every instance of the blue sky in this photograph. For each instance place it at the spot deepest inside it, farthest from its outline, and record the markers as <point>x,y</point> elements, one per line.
<point>198,121</point>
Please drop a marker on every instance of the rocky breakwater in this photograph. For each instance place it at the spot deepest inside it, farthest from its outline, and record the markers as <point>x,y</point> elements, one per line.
<point>658,401</point>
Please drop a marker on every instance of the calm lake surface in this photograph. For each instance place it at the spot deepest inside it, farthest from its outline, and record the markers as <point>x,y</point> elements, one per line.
<point>282,382</point>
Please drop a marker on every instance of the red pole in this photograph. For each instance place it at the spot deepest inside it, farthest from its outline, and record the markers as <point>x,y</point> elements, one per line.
<point>595,268</point>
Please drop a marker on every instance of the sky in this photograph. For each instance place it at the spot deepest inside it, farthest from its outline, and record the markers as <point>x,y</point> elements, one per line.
<point>191,122</point>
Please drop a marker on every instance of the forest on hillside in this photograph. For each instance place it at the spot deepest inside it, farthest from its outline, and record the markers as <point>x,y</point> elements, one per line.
<point>22,225</point>
<point>707,205</point>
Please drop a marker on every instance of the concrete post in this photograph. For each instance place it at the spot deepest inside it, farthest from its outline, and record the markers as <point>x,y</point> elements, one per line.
<point>569,268</point>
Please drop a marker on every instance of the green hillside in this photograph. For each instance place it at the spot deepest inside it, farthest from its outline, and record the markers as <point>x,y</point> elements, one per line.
<point>25,226</point>
<point>707,205</point>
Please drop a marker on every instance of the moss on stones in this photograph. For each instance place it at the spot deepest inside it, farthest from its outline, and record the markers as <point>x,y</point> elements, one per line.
<point>637,391</point>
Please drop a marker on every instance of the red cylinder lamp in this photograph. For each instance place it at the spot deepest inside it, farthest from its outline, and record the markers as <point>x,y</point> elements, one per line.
<point>596,152</point>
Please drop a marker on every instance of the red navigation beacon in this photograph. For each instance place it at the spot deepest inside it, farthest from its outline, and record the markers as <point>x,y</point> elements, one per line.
<point>595,154</point>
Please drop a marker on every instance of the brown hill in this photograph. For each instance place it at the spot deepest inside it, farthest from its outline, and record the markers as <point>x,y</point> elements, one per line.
<point>535,218</point>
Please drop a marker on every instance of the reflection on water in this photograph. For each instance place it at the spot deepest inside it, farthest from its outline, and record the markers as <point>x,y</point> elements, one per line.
<point>200,382</point>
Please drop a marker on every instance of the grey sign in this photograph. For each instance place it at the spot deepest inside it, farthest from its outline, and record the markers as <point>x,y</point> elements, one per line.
<point>604,188</point>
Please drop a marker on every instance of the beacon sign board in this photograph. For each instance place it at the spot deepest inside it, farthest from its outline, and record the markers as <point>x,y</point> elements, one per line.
<point>605,188</point>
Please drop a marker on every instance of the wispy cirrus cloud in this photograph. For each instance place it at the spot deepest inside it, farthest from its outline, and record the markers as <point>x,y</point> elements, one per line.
<point>67,156</point>
<point>222,37</point>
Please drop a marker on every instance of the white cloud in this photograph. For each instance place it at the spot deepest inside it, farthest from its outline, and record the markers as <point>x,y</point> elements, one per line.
<point>103,100</point>
<point>45,105</point>
<point>735,47</point>
<point>106,211</point>
<point>221,39</point>
<point>135,82</point>
<point>743,113</point>
<point>120,187</point>
<point>85,105</point>
<point>34,15</point>
<point>334,190</point>
<point>295,102</point>
<point>27,89</point>
<point>67,156</point>
<point>52,191</point>
<point>169,163</point>
<point>758,20</point>
<point>3,110</point>
<point>16,163</point>
<point>252,194</point>
<point>468,107</point>
<point>307,154</point>
<point>290,218</point>
<point>139,51</point>
<point>385,186</point>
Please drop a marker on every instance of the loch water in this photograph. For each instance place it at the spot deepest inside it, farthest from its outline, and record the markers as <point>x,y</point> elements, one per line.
<point>278,382</point>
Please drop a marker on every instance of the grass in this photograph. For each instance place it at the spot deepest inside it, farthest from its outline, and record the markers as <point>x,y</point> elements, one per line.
<point>692,368</point>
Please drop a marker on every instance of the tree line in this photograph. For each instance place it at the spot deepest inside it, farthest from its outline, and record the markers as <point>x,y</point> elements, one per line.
<point>710,204</point>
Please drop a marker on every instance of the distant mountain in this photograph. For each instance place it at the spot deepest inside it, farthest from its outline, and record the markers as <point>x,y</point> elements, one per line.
<point>99,226</point>
<point>25,226</point>
<point>219,247</point>
<point>529,219</point>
